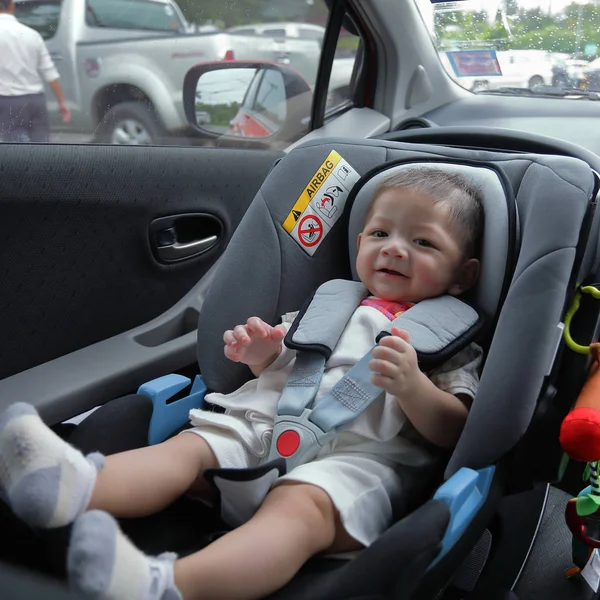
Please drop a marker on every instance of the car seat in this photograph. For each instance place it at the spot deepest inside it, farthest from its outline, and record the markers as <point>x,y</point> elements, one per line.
<point>539,220</point>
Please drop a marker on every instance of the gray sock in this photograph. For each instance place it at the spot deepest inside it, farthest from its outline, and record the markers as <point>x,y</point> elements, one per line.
<point>102,562</point>
<point>46,482</point>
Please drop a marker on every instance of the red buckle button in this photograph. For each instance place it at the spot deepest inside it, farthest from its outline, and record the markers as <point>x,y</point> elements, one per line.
<point>288,442</point>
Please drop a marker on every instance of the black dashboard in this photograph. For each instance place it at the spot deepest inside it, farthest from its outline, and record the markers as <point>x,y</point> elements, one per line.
<point>573,120</point>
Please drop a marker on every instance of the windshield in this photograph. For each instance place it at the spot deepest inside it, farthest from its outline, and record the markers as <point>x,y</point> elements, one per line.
<point>526,47</point>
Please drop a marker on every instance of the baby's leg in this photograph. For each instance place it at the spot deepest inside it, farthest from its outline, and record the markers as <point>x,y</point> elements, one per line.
<point>48,483</point>
<point>295,522</point>
<point>142,482</point>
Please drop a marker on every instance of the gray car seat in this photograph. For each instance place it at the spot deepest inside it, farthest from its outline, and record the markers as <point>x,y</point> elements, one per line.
<point>538,219</point>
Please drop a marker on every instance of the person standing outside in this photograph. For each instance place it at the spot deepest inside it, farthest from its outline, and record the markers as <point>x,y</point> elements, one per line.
<point>25,63</point>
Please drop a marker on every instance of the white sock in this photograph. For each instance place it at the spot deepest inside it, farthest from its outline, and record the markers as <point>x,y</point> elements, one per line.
<point>46,482</point>
<point>102,562</point>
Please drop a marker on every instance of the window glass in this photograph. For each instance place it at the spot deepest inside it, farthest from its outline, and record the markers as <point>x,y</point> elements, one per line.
<point>111,99</point>
<point>340,83</point>
<point>274,32</point>
<point>243,30</point>
<point>311,34</point>
<point>518,47</point>
<point>133,14</point>
<point>271,100</point>
<point>41,16</point>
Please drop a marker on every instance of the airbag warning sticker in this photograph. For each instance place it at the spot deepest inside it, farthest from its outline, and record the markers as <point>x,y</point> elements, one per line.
<point>321,203</point>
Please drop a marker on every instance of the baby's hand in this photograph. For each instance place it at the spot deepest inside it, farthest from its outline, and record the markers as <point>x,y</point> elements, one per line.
<point>395,365</point>
<point>254,343</point>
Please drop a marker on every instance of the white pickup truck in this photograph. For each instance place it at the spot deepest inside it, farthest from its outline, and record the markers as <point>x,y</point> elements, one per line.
<point>122,63</point>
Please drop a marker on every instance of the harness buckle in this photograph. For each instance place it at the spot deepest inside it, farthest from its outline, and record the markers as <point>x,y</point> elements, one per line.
<point>298,439</point>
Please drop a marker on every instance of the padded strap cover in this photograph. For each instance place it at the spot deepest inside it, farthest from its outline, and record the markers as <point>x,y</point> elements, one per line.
<point>438,327</point>
<point>320,324</point>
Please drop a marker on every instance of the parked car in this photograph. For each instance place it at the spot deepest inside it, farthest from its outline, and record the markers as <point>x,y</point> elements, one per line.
<point>282,30</point>
<point>569,72</point>
<point>122,63</point>
<point>516,68</point>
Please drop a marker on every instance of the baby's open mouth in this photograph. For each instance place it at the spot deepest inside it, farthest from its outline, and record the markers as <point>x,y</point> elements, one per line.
<point>391,272</point>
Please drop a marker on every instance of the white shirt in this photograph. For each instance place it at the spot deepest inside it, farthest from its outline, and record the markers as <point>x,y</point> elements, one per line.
<point>24,59</point>
<point>375,430</point>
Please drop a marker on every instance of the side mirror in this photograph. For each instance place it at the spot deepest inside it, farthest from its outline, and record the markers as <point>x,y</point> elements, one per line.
<point>248,100</point>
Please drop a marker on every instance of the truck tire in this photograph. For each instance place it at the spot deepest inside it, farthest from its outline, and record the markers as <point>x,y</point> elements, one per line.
<point>130,124</point>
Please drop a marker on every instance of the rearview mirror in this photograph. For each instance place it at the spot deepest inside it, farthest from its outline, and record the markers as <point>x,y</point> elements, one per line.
<point>250,100</point>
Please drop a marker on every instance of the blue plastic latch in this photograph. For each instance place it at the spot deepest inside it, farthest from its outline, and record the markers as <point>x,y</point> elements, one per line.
<point>167,418</point>
<point>464,493</point>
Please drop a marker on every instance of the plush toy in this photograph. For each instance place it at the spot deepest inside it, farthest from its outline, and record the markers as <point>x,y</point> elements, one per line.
<point>580,430</point>
<point>580,440</point>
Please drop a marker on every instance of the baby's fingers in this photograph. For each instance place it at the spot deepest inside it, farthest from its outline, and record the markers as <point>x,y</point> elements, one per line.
<point>383,367</point>
<point>278,333</point>
<point>232,348</point>
<point>386,353</point>
<point>232,353</point>
<point>240,333</point>
<point>257,327</point>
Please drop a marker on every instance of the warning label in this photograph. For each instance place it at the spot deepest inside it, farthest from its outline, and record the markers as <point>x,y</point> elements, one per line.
<point>310,231</point>
<point>321,203</point>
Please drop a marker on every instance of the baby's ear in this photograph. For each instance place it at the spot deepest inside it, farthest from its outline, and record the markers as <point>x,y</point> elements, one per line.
<point>465,278</point>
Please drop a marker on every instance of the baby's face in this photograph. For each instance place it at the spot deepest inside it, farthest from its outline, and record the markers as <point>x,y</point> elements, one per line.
<point>410,249</point>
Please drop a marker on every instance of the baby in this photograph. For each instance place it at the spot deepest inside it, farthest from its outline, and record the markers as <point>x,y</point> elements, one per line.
<point>420,240</point>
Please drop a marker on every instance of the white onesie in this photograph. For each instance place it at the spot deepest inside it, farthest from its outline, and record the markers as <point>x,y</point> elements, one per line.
<point>373,464</point>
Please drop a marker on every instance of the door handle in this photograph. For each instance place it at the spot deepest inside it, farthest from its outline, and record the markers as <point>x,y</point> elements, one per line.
<point>56,56</point>
<point>177,251</point>
<point>180,237</point>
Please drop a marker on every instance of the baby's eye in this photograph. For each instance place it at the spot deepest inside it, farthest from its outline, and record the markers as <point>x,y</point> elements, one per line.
<point>379,234</point>
<point>424,243</point>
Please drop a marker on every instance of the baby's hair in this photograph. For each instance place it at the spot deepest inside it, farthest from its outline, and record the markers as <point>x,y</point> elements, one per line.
<point>464,199</point>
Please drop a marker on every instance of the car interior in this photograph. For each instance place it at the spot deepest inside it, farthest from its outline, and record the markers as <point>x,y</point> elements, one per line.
<point>123,265</point>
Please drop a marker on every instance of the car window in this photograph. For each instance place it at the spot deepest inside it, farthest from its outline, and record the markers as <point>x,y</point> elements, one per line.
<point>270,99</point>
<point>340,83</point>
<point>274,32</point>
<point>311,34</point>
<point>42,16</point>
<point>243,30</point>
<point>518,47</point>
<point>133,14</point>
<point>122,63</point>
<point>250,96</point>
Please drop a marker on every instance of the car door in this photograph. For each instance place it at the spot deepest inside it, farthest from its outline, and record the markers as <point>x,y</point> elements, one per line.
<point>100,242</point>
<point>107,254</point>
<point>108,251</point>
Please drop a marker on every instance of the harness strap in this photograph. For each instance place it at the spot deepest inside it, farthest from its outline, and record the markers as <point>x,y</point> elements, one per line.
<point>302,384</point>
<point>438,328</point>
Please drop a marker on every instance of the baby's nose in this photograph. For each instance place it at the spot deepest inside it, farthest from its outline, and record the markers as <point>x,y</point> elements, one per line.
<point>395,248</point>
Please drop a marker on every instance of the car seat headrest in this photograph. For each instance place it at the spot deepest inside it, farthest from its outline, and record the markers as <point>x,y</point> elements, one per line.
<point>495,244</point>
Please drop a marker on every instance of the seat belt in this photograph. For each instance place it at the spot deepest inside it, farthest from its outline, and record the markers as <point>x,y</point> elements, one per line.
<point>438,328</point>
